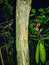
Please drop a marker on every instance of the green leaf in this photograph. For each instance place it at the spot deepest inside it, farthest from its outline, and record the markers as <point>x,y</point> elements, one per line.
<point>34,36</point>
<point>46,19</point>
<point>33,11</point>
<point>47,62</point>
<point>39,17</point>
<point>35,39</point>
<point>9,7</point>
<point>40,30</point>
<point>42,53</point>
<point>47,9</point>
<point>38,20</point>
<point>47,30</point>
<point>7,48</point>
<point>41,10</point>
<point>31,15</point>
<point>37,54</point>
<point>43,16</point>
<point>31,28</point>
<point>46,38</point>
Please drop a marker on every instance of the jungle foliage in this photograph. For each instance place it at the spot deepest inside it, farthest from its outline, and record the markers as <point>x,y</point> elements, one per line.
<point>38,35</point>
<point>7,34</point>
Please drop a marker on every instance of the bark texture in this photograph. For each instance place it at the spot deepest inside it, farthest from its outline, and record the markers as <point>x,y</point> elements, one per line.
<point>22,19</point>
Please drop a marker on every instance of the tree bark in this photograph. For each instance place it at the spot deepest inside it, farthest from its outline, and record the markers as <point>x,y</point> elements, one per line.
<point>22,19</point>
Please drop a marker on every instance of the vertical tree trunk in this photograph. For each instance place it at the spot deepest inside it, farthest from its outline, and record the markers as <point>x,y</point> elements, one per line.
<point>22,19</point>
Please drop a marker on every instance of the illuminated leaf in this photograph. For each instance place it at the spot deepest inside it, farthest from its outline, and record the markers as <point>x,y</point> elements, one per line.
<point>33,11</point>
<point>31,15</point>
<point>46,38</point>
<point>47,9</point>
<point>37,54</point>
<point>42,53</point>
<point>41,10</point>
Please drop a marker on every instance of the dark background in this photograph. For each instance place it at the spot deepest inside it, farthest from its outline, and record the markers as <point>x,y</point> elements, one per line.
<point>40,3</point>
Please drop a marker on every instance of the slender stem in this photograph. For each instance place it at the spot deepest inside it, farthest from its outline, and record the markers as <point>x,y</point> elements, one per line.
<point>6,45</point>
<point>1,57</point>
<point>39,36</point>
<point>6,22</point>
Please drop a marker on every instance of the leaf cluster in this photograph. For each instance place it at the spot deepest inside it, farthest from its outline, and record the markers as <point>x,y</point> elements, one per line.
<point>41,15</point>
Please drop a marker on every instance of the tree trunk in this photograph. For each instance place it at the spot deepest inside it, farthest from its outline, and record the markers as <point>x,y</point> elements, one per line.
<point>22,19</point>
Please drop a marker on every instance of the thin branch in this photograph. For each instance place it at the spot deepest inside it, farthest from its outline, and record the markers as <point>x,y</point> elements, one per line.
<point>1,57</point>
<point>7,22</point>
<point>5,45</point>
<point>39,36</point>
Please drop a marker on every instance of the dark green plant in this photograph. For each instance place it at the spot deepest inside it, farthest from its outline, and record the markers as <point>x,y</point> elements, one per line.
<point>8,6</point>
<point>6,30</point>
<point>47,62</point>
<point>42,17</point>
<point>36,33</point>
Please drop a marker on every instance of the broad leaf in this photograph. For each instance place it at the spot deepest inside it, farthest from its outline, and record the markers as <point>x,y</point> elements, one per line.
<point>41,10</point>
<point>33,11</point>
<point>31,28</point>
<point>42,53</point>
<point>31,15</point>
<point>46,38</point>
<point>37,54</point>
